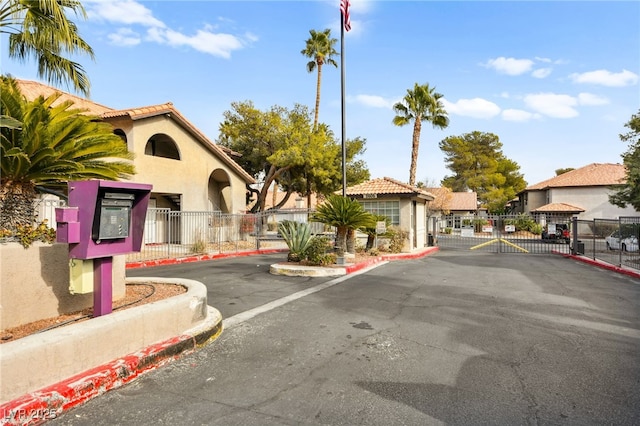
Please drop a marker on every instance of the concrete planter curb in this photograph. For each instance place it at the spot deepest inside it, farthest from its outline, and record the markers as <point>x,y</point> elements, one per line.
<point>123,345</point>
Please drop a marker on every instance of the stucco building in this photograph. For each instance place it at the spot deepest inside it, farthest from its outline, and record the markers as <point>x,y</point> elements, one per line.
<point>582,192</point>
<point>187,170</point>
<point>405,205</point>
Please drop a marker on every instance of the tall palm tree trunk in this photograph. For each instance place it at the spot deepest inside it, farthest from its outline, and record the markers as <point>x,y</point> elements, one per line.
<point>317,111</point>
<point>341,240</point>
<point>414,151</point>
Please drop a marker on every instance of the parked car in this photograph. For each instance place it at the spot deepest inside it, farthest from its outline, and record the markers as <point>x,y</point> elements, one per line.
<point>625,243</point>
<point>556,232</point>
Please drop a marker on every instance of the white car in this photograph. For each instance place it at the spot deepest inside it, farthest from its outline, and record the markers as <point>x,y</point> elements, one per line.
<point>614,242</point>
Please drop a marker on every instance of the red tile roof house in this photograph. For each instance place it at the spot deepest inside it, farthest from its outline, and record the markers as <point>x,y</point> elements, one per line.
<point>405,205</point>
<point>187,170</point>
<point>582,192</point>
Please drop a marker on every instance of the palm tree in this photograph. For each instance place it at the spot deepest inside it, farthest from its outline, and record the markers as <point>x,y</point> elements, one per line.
<point>320,48</point>
<point>420,104</point>
<point>41,29</point>
<point>345,214</point>
<point>54,145</point>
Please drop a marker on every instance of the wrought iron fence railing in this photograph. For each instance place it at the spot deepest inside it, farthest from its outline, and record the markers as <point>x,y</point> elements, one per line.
<point>175,234</point>
<point>614,241</point>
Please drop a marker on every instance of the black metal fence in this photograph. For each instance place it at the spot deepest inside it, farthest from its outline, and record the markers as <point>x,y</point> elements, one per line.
<point>175,234</point>
<point>503,233</point>
<point>614,241</point>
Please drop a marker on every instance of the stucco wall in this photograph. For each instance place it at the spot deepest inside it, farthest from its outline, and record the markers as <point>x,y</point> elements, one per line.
<point>188,176</point>
<point>534,199</point>
<point>34,283</point>
<point>594,201</point>
<point>406,224</point>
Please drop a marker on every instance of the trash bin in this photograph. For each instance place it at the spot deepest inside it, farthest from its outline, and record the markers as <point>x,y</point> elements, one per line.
<point>579,247</point>
<point>430,240</point>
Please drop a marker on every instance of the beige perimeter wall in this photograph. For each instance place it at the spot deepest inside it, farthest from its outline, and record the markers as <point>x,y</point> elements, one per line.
<point>34,283</point>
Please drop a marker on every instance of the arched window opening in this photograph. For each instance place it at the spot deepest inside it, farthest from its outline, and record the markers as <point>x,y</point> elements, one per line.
<point>161,145</point>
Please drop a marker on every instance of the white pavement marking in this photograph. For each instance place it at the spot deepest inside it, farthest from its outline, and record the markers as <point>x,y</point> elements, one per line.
<point>247,315</point>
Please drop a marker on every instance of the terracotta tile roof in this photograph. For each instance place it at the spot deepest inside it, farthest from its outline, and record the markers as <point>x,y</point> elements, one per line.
<point>168,109</point>
<point>596,174</point>
<point>32,89</point>
<point>463,201</point>
<point>447,200</point>
<point>558,208</point>
<point>386,185</point>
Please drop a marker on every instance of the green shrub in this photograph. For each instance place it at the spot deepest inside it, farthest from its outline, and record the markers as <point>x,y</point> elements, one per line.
<point>448,230</point>
<point>316,252</point>
<point>272,226</point>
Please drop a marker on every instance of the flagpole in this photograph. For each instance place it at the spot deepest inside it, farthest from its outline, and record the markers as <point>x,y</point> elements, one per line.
<point>342,97</point>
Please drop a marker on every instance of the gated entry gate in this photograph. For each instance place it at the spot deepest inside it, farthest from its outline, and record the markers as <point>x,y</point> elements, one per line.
<point>503,233</point>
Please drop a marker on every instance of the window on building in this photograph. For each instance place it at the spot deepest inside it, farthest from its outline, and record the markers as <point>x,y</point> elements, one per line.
<point>391,209</point>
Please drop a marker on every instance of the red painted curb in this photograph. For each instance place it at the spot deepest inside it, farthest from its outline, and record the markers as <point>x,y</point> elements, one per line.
<point>203,257</point>
<point>600,264</point>
<point>45,404</point>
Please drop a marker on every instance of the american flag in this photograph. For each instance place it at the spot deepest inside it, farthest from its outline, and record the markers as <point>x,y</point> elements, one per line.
<point>344,8</point>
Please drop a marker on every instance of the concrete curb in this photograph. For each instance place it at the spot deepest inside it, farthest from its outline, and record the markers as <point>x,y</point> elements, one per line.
<point>600,264</point>
<point>44,404</point>
<point>335,271</point>
<point>199,258</point>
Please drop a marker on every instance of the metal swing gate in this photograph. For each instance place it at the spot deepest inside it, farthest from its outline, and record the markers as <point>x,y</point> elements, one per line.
<point>502,233</point>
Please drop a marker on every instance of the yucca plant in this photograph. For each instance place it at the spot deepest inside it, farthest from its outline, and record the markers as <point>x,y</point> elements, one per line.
<point>297,235</point>
<point>345,214</point>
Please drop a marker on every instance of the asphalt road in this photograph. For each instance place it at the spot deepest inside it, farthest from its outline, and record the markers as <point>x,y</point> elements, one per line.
<point>453,338</point>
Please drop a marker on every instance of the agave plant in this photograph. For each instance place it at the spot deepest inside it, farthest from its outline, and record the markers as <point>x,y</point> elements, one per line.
<point>297,235</point>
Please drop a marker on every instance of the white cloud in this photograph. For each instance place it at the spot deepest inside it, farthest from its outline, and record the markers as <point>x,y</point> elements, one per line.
<point>510,66</point>
<point>518,115</point>
<point>132,12</point>
<point>123,12</point>
<point>591,99</point>
<point>125,37</point>
<point>505,95</point>
<point>476,108</point>
<point>541,72</point>
<point>552,105</point>
<point>606,78</point>
<point>205,41</point>
<point>374,101</point>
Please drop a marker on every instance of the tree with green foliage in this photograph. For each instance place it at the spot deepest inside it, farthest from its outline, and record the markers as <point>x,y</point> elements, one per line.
<point>563,170</point>
<point>629,192</point>
<point>41,29</point>
<point>422,103</point>
<point>345,215</point>
<point>320,48</point>
<point>280,146</point>
<point>54,144</point>
<point>479,165</point>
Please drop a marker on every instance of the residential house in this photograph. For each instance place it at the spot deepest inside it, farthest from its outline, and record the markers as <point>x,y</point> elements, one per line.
<point>187,170</point>
<point>582,192</point>
<point>405,205</point>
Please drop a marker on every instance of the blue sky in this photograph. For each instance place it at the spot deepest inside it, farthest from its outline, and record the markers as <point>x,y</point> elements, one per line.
<point>556,81</point>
